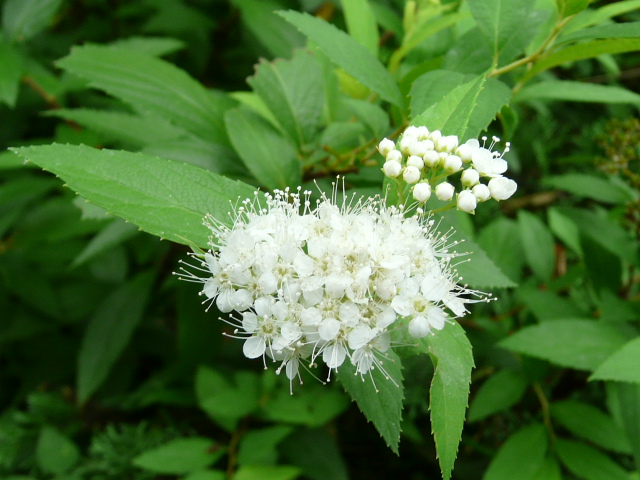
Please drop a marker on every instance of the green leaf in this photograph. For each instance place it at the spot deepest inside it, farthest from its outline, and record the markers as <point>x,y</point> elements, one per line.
<point>267,472</point>
<point>162,197</point>
<point>372,116</point>
<point>547,305</point>
<point>587,462</point>
<point>538,245</point>
<point>313,407</point>
<point>500,241</point>
<point>521,456</point>
<point>291,89</point>
<point>500,21</point>
<point>116,233</point>
<point>224,401</point>
<point>316,453</point>
<point>549,470</point>
<point>452,113</point>
<point>258,447</point>
<point>573,343</point>
<point>152,86</point>
<point>207,475</point>
<point>110,331</point>
<point>571,91</point>
<point>267,153</point>
<point>582,51</point>
<point>591,424</point>
<point>180,456</point>
<point>589,186</point>
<point>55,453</point>
<point>565,229</point>
<point>571,7</point>
<point>278,36</point>
<point>380,397</point>
<point>450,351</point>
<point>348,54</point>
<point>501,391</point>
<point>622,366</point>
<point>10,74</point>
<point>361,23</point>
<point>624,403</point>
<point>614,30</point>
<point>23,19</point>
<point>153,46</point>
<point>602,14</point>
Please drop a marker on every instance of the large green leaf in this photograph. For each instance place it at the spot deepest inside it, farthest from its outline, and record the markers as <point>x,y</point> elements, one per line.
<point>499,392</point>
<point>152,86</point>
<point>293,92</point>
<point>571,91</point>
<point>573,343</point>
<point>10,73</point>
<point>183,455</point>
<point>571,7</point>
<point>379,397</point>
<point>622,366</point>
<point>361,23</point>
<point>267,153</point>
<point>163,197</point>
<point>521,456</point>
<point>614,30</point>
<point>538,245</point>
<point>587,462</point>
<point>109,332</point>
<point>22,19</point>
<point>348,54</point>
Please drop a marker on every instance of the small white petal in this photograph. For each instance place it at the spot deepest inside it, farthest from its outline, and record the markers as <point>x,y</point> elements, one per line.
<point>254,347</point>
<point>334,355</point>
<point>419,327</point>
<point>329,329</point>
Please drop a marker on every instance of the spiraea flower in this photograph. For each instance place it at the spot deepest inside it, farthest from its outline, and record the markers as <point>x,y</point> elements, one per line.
<point>329,281</point>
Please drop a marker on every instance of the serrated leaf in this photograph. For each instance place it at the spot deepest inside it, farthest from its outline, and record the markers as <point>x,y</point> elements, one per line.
<point>579,344</point>
<point>10,74</point>
<point>348,54</point>
<point>521,456</point>
<point>180,456</point>
<point>591,424</point>
<point>266,152</point>
<point>538,245</point>
<point>109,332</point>
<point>162,197</point>
<point>361,23</point>
<point>23,19</point>
<point>291,89</point>
<point>582,51</point>
<point>55,452</point>
<point>452,113</point>
<point>152,86</point>
<point>622,366</point>
<point>587,462</point>
<point>501,391</point>
<point>571,91</point>
<point>381,403</point>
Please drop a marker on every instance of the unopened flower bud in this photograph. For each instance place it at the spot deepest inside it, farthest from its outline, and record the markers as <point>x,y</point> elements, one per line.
<point>435,135</point>
<point>465,152</point>
<point>411,175</point>
<point>423,133</point>
<point>445,191</point>
<point>467,201</point>
<point>385,146</point>
<point>470,177</point>
<point>431,158</point>
<point>412,131</point>
<point>392,168</point>
<point>502,188</point>
<point>394,156</point>
<point>481,191</point>
<point>415,161</point>
<point>452,163</point>
<point>417,148</point>
<point>422,192</point>
<point>447,144</point>
<point>406,143</point>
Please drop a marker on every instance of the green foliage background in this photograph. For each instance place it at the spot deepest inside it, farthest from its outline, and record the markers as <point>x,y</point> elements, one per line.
<point>157,112</point>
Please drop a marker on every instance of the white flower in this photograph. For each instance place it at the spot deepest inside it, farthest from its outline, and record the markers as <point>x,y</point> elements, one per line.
<point>502,188</point>
<point>394,156</point>
<point>452,163</point>
<point>411,175</point>
<point>392,168</point>
<point>470,177</point>
<point>328,284</point>
<point>422,192</point>
<point>385,146</point>
<point>445,191</point>
<point>467,201</point>
<point>431,158</point>
<point>415,161</point>
<point>487,164</point>
<point>481,192</point>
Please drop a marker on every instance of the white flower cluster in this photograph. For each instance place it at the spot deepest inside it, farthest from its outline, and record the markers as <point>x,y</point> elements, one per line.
<point>328,281</point>
<point>425,159</point>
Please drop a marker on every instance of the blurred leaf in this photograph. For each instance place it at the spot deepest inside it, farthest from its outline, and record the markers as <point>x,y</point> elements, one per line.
<point>587,462</point>
<point>521,456</point>
<point>626,397</point>
<point>267,472</point>
<point>371,115</point>
<point>582,51</point>
<point>380,397</point>
<point>547,305</point>
<point>292,90</point>
<point>500,241</point>
<point>538,245</point>
<point>207,475</point>
<point>451,114</point>
<point>501,391</point>
<point>565,229</point>
<point>571,7</point>
<point>109,332</point>
<point>266,152</point>
<point>604,267</point>
<point>572,91</point>
<point>152,86</point>
<point>313,406</point>
<point>258,447</point>
<point>55,453</point>
<point>348,54</point>
<point>180,456</point>
<point>613,30</point>
<point>10,74</point>
<point>549,470</point>
<point>589,186</point>
<point>579,344</point>
<point>23,19</point>
<point>591,424</point>
<point>162,197</point>
<point>153,46</point>
<point>468,55</point>
<point>622,366</point>
<point>316,453</point>
<point>117,232</point>
<point>361,23</point>
<point>601,15</point>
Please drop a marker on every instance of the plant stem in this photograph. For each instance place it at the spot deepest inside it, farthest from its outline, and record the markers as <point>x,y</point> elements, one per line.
<point>544,403</point>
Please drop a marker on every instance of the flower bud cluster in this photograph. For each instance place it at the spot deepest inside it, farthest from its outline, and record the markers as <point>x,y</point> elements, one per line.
<point>328,282</point>
<point>425,159</point>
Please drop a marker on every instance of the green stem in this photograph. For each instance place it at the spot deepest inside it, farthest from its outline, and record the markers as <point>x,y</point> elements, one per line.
<point>546,415</point>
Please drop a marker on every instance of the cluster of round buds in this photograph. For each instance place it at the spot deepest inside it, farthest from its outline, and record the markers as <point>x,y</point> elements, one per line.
<point>424,160</point>
<point>328,281</point>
